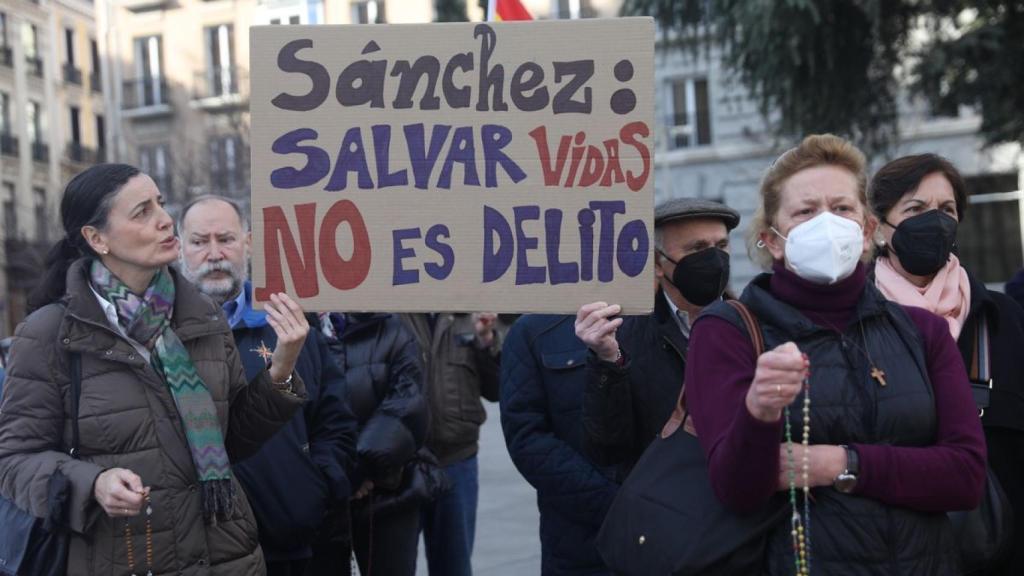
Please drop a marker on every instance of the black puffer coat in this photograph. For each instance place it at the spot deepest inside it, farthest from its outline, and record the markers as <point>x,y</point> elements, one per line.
<point>384,377</point>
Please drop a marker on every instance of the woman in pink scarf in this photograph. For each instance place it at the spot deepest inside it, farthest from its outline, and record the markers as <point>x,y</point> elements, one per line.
<point>920,201</point>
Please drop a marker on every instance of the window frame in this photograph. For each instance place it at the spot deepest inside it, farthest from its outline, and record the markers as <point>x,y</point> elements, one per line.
<point>220,76</point>
<point>694,131</point>
<point>10,207</point>
<point>144,64</point>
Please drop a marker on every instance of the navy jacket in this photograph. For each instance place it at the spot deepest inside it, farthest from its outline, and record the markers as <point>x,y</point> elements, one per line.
<point>543,375</point>
<point>304,469</point>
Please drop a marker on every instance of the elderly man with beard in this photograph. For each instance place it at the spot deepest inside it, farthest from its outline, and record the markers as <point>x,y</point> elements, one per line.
<point>306,468</point>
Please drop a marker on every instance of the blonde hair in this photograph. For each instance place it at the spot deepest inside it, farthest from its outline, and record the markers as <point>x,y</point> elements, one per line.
<point>814,150</point>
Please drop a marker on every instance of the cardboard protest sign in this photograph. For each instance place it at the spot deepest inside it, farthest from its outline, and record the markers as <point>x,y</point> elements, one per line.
<point>454,167</point>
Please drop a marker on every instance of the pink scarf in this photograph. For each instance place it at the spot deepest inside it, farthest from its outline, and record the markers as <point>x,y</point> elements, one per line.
<point>947,295</point>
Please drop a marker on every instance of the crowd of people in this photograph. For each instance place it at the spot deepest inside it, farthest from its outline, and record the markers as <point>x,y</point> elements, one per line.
<point>196,434</point>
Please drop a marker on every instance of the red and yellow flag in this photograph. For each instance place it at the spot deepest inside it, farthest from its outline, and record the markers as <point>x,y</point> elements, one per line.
<point>505,10</point>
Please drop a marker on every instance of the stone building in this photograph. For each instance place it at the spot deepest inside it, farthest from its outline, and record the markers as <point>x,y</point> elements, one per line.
<point>53,122</point>
<point>713,142</point>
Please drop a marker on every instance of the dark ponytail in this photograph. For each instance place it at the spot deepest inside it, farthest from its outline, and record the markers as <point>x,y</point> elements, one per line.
<point>87,200</point>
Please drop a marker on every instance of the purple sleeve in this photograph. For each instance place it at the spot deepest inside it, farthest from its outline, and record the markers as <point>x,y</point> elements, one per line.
<point>742,452</point>
<point>950,474</point>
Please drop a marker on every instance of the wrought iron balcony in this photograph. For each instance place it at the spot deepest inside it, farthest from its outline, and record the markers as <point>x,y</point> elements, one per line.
<point>146,97</point>
<point>40,152</point>
<point>72,74</point>
<point>145,5</point>
<point>219,87</point>
<point>76,152</point>
<point>9,145</point>
<point>35,65</point>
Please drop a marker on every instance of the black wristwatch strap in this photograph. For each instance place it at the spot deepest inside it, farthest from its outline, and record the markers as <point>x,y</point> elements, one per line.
<point>852,461</point>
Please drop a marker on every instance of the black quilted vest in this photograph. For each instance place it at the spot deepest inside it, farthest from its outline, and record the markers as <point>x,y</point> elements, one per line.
<point>851,534</point>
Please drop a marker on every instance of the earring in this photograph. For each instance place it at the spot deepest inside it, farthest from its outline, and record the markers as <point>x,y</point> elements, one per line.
<point>106,251</point>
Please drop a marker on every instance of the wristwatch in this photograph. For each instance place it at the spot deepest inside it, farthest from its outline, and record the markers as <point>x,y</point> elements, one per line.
<point>847,479</point>
<point>286,385</point>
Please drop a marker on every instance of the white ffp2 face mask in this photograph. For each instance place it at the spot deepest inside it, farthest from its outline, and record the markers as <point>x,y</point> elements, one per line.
<point>824,249</point>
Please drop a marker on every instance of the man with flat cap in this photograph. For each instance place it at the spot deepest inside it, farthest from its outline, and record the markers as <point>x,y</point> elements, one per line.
<point>636,365</point>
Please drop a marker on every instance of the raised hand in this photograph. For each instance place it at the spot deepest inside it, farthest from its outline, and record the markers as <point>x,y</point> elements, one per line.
<point>289,323</point>
<point>483,325</point>
<point>595,328</point>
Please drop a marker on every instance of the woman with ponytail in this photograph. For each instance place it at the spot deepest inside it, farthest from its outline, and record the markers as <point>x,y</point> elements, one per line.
<point>164,407</point>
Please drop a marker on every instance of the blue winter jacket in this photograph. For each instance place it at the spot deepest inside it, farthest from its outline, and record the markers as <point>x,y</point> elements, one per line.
<point>305,468</point>
<point>543,374</point>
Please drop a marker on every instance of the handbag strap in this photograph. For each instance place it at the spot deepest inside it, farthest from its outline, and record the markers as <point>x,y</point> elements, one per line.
<point>76,393</point>
<point>680,416</point>
<point>981,368</point>
<point>753,327</point>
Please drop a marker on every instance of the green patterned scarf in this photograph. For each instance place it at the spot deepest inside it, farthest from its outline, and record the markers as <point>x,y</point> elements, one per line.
<point>147,320</point>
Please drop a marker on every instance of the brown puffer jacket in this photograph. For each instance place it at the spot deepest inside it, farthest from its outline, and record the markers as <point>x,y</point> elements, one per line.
<point>127,419</point>
<point>458,375</point>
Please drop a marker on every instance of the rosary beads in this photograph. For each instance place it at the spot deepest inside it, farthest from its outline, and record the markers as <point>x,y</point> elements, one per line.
<point>800,523</point>
<point>129,544</point>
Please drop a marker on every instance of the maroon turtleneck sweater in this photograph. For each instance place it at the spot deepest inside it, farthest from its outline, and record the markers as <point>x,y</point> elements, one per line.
<point>743,452</point>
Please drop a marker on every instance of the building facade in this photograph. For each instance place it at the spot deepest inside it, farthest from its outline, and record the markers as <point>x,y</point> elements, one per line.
<point>714,143</point>
<point>180,76</point>
<point>163,84</point>
<point>179,80</point>
<point>53,122</point>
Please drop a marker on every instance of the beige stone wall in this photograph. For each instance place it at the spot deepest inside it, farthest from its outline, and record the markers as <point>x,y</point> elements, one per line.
<point>22,246</point>
<point>189,120</point>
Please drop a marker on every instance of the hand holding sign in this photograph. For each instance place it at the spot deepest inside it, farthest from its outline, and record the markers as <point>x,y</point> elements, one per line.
<point>483,325</point>
<point>291,327</point>
<point>596,328</point>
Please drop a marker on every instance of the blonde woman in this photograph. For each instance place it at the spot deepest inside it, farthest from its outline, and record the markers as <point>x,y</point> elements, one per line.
<point>894,441</point>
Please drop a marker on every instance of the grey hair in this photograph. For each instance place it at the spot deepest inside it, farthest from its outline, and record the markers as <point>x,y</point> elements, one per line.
<point>242,216</point>
<point>659,242</point>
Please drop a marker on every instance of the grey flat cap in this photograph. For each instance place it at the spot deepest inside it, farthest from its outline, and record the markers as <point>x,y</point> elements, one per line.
<point>680,208</point>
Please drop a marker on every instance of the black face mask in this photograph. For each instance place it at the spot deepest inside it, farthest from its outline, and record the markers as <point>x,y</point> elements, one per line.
<point>923,243</point>
<point>702,276</point>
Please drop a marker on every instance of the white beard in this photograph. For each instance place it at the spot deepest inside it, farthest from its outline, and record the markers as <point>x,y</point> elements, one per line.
<point>220,290</point>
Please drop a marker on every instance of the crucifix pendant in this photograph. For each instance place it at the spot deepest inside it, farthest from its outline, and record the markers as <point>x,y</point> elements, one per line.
<point>263,352</point>
<point>878,375</point>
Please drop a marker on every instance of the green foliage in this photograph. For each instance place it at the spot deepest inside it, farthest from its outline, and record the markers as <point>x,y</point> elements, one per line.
<point>831,65</point>
<point>976,58</point>
<point>450,10</point>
